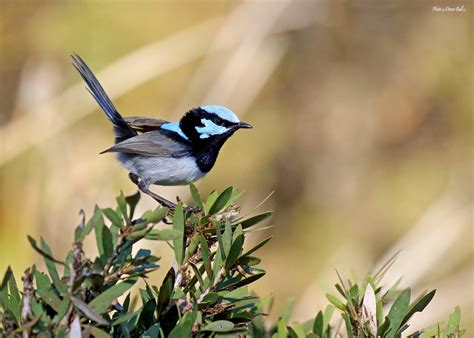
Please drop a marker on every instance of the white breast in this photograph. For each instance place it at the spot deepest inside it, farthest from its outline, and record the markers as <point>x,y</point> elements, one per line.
<point>163,170</point>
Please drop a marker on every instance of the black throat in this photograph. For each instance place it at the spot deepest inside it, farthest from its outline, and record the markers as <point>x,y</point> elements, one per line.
<point>206,150</point>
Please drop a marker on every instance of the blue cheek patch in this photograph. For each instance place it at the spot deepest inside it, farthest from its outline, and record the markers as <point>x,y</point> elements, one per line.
<point>209,129</point>
<point>174,127</point>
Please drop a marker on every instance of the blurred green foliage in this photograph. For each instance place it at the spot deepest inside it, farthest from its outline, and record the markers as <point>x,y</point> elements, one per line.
<point>204,294</point>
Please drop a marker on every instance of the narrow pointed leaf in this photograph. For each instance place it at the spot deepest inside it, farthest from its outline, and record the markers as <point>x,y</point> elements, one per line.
<point>178,225</point>
<point>221,201</point>
<point>318,326</point>
<point>205,256</point>
<point>234,252</point>
<point>256,247</point>
<point>247,223</point>
<point>398,311</point>
<point>196,197</point>
<point>166,290</point>
<point>219,326</point>
<point>418,306</point>
<point>103,301</point>
<point>154,216</point>
<point>88,311</point>
<point>41,252</point>
<point>51,266</point>
<point>164,234</point>
<point>335,301</point>
<point>132,202</point>
<point>113,216</point>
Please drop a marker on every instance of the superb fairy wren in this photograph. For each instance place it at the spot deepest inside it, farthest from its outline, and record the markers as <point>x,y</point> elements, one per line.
<point>160,152</point>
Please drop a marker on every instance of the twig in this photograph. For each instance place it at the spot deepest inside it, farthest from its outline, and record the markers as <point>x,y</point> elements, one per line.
<point>216,280</point>
<point>28,294</point>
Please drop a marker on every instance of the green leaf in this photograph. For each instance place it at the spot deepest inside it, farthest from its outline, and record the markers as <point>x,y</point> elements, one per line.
<point>113,216</point>
<point>192,247</point>
<point>418,306</point>
<point>282,331</point>
<point>63,308</point>
<point>210,201</point>
<point>41,252</point>
<point>244,281</point>
<point>453,322</point>
<point>97,333</point>
<point>88,311</point>
<point>164,234</point>
<point>51,266</point>
<point>299,330</point>
<point>178,225</point>
<point>198,276</point>
<point>10,298</point>
<point>335,301</point>
<point>104,240</point>
<point>205,256</point>
<point>433,331</point>
<point>256,247</point>
<point>125,317</point>
<point>153,331</point>
<point>221,201</point>
<point>219,326</point>
<point>318,326</point>
<point>249,260</point>
<point>247,223</point>
<point>103,301</point>
<point>398,311</point>
<point>196,197</point>
<point>287,310</point>
<point>132,202</point>
<point>382,330</point>
<point>184,326</point>
<point>154,216</point>
<point>234,252</point>
<point>82,232</point>
<point>122,205</point>
<point>166,290</point>
<point>328,312</point>
<point>43,288</point>
<point>227,238</point>
<point>347,321</point>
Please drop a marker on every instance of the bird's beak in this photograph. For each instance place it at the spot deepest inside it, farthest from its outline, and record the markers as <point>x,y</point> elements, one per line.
<point>244,125</point>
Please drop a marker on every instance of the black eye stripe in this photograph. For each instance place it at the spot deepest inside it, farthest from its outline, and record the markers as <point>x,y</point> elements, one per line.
<point>212,117</point>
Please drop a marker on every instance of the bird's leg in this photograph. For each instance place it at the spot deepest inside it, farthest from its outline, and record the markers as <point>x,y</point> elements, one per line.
<point>143,186</point>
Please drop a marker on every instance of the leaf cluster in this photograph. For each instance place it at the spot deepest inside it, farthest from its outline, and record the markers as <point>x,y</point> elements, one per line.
<point>204,294</point>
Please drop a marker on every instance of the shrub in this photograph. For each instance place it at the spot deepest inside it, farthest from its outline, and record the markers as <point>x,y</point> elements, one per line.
<point>205,293</point>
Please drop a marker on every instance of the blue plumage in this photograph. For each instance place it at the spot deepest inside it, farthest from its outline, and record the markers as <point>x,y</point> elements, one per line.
<point>223,112</point>
<point>174,127</point>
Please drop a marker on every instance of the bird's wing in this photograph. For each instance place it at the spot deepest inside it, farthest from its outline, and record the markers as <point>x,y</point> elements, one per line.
<point>152,143</point>
<point>144,124</point>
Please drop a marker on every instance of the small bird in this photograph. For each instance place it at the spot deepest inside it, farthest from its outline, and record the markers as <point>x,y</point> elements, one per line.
<point>160,152</point>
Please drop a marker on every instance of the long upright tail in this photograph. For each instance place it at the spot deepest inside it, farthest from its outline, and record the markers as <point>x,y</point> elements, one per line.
<point>122,130</point>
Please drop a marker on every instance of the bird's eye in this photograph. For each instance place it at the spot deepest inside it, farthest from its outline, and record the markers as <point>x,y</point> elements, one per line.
<point>210,129</point>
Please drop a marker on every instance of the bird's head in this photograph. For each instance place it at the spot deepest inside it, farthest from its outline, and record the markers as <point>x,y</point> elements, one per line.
<point>210,124</point>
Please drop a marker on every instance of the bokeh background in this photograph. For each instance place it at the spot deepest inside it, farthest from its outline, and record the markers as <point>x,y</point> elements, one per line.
<point>363,128</point>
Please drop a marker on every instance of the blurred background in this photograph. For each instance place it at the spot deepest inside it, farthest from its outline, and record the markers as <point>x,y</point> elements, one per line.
<point>363,128</point>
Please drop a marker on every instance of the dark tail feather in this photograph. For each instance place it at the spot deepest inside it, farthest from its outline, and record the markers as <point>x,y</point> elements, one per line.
<point>122,130</point>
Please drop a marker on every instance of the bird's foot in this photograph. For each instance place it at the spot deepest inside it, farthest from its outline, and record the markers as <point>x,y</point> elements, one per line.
<point>134,178</point>
<point>143,187</point>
